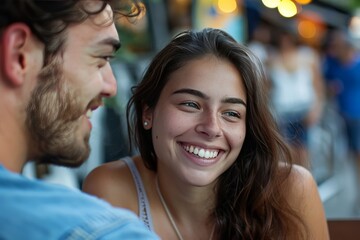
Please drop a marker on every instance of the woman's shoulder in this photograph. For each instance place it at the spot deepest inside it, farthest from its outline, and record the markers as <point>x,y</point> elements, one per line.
<point>111,181</point>
<point>107,173</point>
<point>299,181</point>
<point>301,193</point>
<point>298,172</point>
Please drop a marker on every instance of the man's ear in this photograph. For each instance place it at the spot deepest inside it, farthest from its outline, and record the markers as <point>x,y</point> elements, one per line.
<point>13,52</point>
<point>147,117</point>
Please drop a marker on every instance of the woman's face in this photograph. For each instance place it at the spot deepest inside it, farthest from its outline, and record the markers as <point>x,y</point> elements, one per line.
<point>199,123</point>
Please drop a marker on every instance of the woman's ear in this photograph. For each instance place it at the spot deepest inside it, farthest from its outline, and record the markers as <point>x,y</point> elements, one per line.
<point>147,116</point>
<point>15,53</point>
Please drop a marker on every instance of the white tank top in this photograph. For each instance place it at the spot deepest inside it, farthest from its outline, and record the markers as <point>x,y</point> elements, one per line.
<point>293,89</point>
<point>144,207</point>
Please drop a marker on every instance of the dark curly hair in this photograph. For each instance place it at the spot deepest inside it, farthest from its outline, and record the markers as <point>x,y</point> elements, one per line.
<point>251,203</point>
<point>48,19</point>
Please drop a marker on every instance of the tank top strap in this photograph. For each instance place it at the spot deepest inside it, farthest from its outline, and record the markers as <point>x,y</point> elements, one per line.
<point>144,206</point>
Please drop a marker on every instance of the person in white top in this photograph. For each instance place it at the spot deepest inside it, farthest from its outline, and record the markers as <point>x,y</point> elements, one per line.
<point>297,91</point>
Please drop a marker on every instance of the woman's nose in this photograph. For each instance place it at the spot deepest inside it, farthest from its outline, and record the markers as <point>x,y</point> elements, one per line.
<point>210,126</point>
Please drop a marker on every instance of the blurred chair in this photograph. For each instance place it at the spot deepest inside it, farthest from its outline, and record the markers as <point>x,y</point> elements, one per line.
<point>344,229</point>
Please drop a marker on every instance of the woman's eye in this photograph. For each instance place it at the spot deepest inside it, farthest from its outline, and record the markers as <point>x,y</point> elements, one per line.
<point>191,104</point>
<point>232,114</point>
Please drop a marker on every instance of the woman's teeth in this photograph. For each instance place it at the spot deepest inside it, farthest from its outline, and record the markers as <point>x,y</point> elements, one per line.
<point>201,152</point>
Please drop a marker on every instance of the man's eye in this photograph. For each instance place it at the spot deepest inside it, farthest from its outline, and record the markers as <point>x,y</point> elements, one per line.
<point>104,60</point>
<point>108,58</point>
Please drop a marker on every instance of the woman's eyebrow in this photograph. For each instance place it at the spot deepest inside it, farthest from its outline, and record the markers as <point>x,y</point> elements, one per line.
<point>191,92</point>
<point>204,96</point>
<point>234,100</point>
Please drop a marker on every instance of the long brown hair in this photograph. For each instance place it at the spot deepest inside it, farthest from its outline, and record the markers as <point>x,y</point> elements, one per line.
<point>250,200</point>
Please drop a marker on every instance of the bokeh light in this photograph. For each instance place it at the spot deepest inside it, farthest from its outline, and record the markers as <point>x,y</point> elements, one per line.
<point>287,8</point>
<point>307,29</point>
<point>271,3</point>
<point>303,2</point>
<point>227,6</point>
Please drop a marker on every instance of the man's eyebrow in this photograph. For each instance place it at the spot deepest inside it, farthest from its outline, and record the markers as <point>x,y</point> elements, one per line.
<point>204,96</point>
<point>115,43</point>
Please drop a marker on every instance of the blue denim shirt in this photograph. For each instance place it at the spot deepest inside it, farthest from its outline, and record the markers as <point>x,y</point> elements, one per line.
<point>32,209</point>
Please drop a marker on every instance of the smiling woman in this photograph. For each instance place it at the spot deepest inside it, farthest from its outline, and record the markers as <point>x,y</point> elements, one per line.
<point>211,159</point>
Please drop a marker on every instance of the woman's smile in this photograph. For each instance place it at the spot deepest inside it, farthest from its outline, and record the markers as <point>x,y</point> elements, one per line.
<point>201,156</point>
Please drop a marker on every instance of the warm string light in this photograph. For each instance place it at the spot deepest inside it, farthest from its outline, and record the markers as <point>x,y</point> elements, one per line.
<point>303,2</point>
<point>287,8</point>
<point>309,29</point>
<point>227,6</point>
<point>271,3</point>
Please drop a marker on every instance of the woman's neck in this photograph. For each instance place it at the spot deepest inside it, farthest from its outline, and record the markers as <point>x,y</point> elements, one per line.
<point>187,203</point>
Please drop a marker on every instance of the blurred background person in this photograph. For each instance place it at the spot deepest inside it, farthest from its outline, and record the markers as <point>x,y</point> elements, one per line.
<point>296,91</point>
<point>342,71</point>
<point>260,42</point>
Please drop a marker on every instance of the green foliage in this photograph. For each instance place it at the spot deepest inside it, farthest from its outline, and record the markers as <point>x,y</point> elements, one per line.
<point>133,44</point>
<point>354,3</point>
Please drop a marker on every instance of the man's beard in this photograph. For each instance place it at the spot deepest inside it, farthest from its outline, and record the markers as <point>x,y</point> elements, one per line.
<point>52,119</point>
